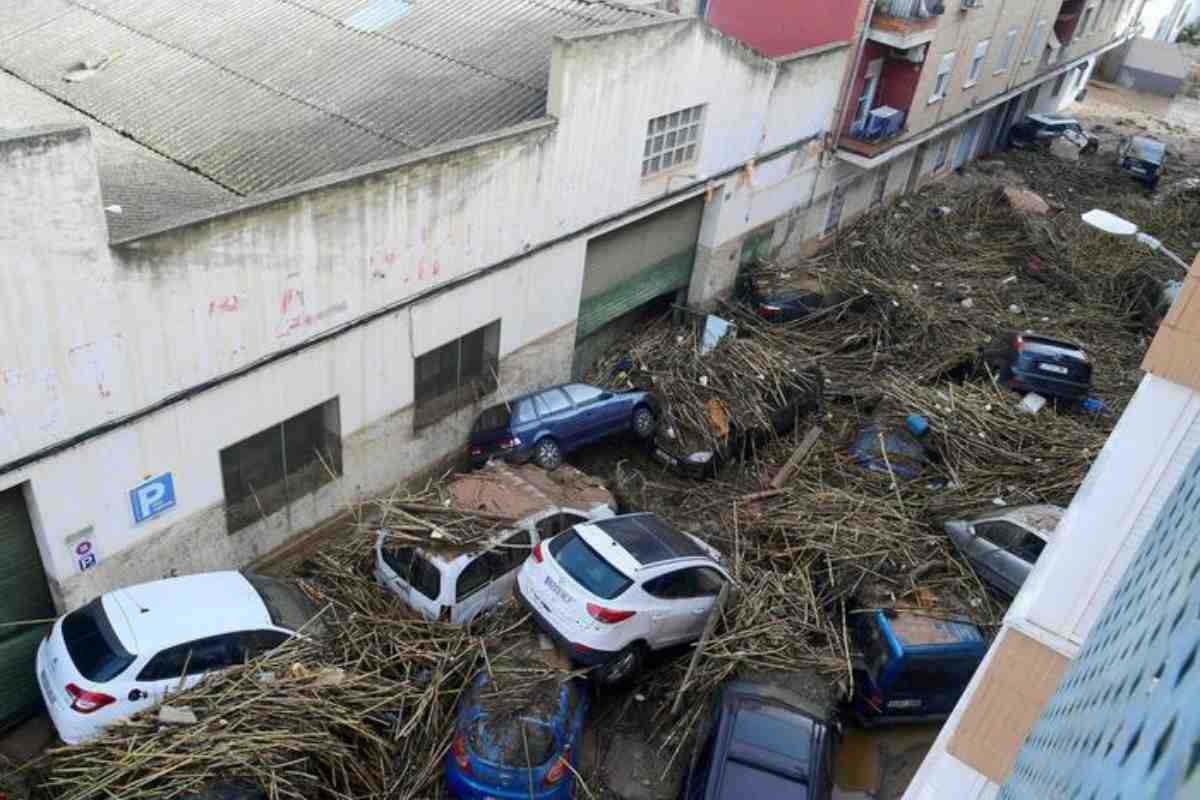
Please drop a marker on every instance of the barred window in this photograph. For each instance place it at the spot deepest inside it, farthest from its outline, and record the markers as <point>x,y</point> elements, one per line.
<point>273,468</point>
<point>671,140</point>
<point>456,374</point>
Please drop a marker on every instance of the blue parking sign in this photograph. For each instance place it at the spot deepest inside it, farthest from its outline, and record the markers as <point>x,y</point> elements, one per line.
<point>152,497</point>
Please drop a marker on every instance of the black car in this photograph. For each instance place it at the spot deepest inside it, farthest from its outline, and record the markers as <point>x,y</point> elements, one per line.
<point>1040,129</point>
<point>1029,362</point>
<point>1143,158</point>
<point>763,741</point>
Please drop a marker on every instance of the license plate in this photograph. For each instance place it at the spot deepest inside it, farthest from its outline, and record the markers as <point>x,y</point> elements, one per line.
<point>1055,368</point>
<point>557,590</point>
<point>904,704</point>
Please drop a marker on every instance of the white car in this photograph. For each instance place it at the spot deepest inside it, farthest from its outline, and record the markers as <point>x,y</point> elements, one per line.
<point>453,585</point>
<point>124,651</point>
<point>609,591</point>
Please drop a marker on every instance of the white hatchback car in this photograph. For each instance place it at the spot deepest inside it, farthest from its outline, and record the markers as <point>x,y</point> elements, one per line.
<point>124,651</point>
<point>609,591</point>
<point>451,585</point>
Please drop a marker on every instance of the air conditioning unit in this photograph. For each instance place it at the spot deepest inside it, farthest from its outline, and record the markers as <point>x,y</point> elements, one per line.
<point>972,4</point>
<point>883,123</point>
<point>913,55</point>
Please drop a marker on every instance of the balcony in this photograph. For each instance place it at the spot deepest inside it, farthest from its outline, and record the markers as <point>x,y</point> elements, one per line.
<point>868,148</point>
<point>904,24</point>
<point>883,93</point>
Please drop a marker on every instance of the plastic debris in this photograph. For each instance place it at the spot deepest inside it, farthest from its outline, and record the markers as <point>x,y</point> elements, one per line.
<point>1014,309</point>
<point>1093,405</point>
<point>1033,403</point>
<point>998,501</point>
<point>967,303</point>
<point>176,715</point>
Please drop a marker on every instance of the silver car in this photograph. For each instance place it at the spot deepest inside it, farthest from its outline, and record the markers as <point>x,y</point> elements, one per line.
<point>1003,544</point>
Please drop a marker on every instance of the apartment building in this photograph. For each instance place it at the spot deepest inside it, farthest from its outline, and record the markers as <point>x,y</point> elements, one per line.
<point>247,279</point>
<point>937,83</point>
<point>1086,690</point>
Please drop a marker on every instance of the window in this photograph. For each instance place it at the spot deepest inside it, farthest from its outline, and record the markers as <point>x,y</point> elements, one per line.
<point>456,374</point>
<point>93,645</point>
<point>1086,21</point>
<point>939,155</point>
<point>286,604</point>
<point>686,583</point>
<point>581,394</point>
<point>1030,548</point>
<point>587,567</point>
<point>977,63</point>
<point>1004,535</point>
<point>552,401</point>
<point>414,569</point>
<point>943,78</point>
<point>193,658</point>
<point>512,552</point>
<point>278,466</point>
<point>557,523</point>
<point>672,140</point>
<point>523,412</point>
<point>253,644</point>
<point>478,574</point>
<point>1035,41</point>
<point>1006,51</point>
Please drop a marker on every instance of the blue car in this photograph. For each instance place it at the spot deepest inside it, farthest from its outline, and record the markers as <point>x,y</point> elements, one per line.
<point>543,426</point>
<point>517,743</point>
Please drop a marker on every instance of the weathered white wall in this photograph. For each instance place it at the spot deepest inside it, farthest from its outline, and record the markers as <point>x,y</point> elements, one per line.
<point>91,334</point>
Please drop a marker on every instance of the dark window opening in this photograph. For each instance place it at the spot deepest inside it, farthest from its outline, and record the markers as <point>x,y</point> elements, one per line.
<point>414,569</point>
<point>273,468</point>
<point>456,375</point>
<point>93,645</point>
<point>587,567</point>
<point>193,658</point>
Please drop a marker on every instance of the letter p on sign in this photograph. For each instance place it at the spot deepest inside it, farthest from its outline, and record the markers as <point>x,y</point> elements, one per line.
<point>152,497</point>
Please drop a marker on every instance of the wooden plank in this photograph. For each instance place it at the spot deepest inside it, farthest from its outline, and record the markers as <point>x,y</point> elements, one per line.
<point>797,458</point>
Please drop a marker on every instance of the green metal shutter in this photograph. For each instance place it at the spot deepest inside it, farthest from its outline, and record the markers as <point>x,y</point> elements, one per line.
<point>24,595</point>
<point>665,276</point>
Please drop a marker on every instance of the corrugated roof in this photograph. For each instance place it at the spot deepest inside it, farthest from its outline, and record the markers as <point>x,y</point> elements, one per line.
<point>258,96</point>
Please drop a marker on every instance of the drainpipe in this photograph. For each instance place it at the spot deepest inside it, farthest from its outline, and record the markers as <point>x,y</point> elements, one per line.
<point>840,112</point>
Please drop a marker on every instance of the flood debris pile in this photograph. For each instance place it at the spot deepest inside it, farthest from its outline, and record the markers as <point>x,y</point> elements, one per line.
<point>720,396</point>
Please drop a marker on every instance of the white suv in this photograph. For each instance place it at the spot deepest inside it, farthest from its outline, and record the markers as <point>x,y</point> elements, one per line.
<point>609,591</point>
<point>124,651</point>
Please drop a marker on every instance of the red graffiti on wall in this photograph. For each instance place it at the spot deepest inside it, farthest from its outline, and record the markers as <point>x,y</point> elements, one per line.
<point>229,303</point>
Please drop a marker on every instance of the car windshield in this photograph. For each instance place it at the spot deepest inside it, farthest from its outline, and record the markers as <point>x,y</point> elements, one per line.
<point>288,606</point>
<point>741,780</point>
<point>586,566</point>
<point>93,645</point>
<point>1148,150</point>
<point>505,740</point>
<point>774,729</point>
<point>493,418</point>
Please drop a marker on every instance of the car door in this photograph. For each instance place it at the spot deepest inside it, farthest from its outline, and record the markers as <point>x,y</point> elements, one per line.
<point>558,417</point>
<point>684,598</point>
<point>183,666</point>
<point>472,584</point>
<point>594,417</point>
<point>995,556</point>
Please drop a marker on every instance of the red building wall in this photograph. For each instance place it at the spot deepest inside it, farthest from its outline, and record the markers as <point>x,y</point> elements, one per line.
<point>897,82</point>
<point>781,27</point>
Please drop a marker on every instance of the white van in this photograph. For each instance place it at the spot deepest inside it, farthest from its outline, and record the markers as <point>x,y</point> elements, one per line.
<point>456,586</point>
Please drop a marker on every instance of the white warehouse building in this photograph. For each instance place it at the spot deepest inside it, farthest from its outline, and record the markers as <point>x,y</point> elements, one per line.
<point>250,278</point>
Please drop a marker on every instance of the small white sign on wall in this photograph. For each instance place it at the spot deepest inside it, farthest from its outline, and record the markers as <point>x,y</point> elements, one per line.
<point>82,546</point>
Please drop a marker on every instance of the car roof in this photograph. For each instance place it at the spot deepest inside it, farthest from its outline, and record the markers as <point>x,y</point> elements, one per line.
<point>915,630</point>
<point>1040,519</point>
<point>172,611</point>
<point>650,540</point>
<point>1148,148</point>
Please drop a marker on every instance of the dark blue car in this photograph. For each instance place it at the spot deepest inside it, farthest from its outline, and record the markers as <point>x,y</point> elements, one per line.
<point>545,425</point>
<point>1029,362</point>
<point>915,666</point>
<point>517,744</point>
<point>763,741</point>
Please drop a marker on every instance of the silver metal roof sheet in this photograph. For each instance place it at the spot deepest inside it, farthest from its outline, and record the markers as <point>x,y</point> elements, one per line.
<point>258,96</point>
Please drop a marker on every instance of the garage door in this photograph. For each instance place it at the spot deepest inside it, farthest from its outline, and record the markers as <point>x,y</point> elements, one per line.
<point>631,266</point>
<point>24,595</point>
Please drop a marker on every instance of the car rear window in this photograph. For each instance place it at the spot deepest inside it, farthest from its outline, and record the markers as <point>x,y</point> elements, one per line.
<point>503,741</point>
<point>288,606</point>
<point>1040,346</point>
<point>776,730</point>
<point>493,418</point>
<point>587,567</point>
<point>415,570</point>
<point>741,780</point>
<point>93,645</point>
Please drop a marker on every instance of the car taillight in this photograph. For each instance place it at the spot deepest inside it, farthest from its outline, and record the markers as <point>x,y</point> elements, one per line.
<point>556,772</point>
<point>607,615</point>
<point>476,451</point>
<point>509,443</point>
<point>768,311</point>
<point>459,748</point>
<point>86,702</point>
<point>1018,344</point>
<point>537,553</point>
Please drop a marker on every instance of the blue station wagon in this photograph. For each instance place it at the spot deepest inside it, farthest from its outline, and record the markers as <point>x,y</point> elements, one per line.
<point>544,426</point>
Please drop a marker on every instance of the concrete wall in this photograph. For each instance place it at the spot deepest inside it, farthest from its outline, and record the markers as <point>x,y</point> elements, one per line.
<point>159,352</point>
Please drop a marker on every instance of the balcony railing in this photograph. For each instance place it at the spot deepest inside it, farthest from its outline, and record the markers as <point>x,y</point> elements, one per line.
<point>911,9</point>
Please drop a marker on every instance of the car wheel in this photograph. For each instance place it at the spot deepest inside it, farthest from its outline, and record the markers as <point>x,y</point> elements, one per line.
<point>643,422</point>
<point>547,454</point>
<point>624,665</point>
